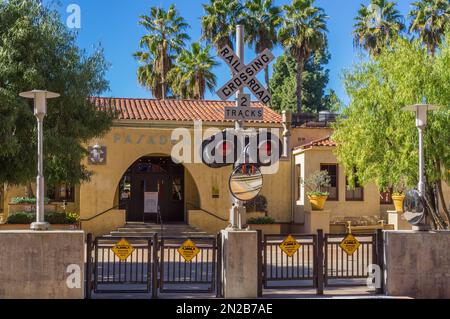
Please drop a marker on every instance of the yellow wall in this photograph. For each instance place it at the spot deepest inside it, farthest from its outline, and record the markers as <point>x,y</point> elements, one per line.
<point>125,145</point>
<point>310,161</point>
<point>12,191</point>
<point>304,135</point>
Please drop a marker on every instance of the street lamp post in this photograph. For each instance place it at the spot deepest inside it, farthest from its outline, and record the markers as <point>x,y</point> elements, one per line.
<point>40,109</point>
<point>421,111</point>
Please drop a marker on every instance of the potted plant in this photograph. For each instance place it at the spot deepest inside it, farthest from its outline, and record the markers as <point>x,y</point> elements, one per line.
<point>398,196</point>
<point>314,185</point>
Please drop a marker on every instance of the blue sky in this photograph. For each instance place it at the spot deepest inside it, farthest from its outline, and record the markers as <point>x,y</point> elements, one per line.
<point>114,25</point>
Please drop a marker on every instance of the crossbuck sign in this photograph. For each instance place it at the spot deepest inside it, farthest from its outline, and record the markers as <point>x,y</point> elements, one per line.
<point>244,76</point>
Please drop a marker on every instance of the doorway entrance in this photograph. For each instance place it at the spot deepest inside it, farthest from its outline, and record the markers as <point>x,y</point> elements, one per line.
<point>153,174</point>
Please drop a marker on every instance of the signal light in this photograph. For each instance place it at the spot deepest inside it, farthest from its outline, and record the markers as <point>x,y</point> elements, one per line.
<point>227,148</point>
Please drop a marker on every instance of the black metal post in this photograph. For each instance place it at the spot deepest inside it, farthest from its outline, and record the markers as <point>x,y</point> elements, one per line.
<point>319,262</point>
<point>260,261</point>
<point>155,266</point>
<point>88,283</point>
<point>380,259</point>
<point>219,266</point>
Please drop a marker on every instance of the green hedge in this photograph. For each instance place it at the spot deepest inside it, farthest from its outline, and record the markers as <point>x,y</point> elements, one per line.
<point>27,200</point>
<point>50,217</point>
<point>261,220</point>
<point>21,218</point>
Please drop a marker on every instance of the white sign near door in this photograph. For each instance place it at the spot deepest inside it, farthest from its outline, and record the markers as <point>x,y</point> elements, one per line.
<point>150,202</point>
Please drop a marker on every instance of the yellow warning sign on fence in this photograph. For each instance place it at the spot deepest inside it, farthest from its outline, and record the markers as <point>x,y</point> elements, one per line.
<point>123,249</point>
<point>350,244</point>
<point>290,246</point>
<point>188,250</point>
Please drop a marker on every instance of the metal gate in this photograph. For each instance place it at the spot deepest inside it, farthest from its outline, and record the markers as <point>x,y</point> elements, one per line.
<point>199,275</point>
<point>281,271</point>
<point>106,273</point>
<point>319,262</point>
<point>342,269</point>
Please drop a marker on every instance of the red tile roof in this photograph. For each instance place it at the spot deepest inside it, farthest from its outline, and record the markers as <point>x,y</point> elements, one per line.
<point>174,110</point>
<point>326,141</point>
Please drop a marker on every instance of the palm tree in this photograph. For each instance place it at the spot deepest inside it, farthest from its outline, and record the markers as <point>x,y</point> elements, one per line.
<point>429,21</point>
<point>192,74</point>
<point>165,39</point>
<point>302,34</point>
<point>262,19</point>
<point>376,25</point>
<point>220,20</point>
<point>148,74</point>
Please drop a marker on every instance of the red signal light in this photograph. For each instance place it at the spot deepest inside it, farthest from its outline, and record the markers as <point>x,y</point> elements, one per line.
<point>265,149</point>
<point>224,148</point>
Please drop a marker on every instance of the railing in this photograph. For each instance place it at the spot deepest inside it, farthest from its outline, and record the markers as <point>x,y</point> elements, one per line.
<point>207,212</point>
<point>97,215</point>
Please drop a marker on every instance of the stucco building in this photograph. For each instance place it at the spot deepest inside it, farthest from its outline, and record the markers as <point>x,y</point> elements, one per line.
<point>136,156</point>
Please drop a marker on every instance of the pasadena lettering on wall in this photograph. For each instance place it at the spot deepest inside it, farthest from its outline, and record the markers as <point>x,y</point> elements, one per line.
<point>143,139</point>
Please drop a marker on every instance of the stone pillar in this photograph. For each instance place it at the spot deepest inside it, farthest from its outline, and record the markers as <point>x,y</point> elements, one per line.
<point>417,264</point>
<point>398,220</point>
<point>239,263</point>
<point>42,265</point>
<point>315,220</point>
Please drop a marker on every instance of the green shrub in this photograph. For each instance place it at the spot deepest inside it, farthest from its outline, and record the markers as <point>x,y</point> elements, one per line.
<point>61,218</point>
<point>73,218</point>
<point>27,200</point>
<point>21,218</point>
<point>50,217</point>
<point>261,220</point>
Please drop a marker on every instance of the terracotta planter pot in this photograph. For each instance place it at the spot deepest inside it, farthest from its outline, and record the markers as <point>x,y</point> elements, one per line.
<point>398,202</point>
<point>317,202</point>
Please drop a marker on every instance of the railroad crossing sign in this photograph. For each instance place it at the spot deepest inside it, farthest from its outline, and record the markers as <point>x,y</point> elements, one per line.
<point>350,244</point>
<point>290,246</point>
<point>188,250</point>
<point>244,76</point>
<point>123,249</point>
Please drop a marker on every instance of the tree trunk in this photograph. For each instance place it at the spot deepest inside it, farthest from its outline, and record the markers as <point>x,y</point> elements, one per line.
<point>29,191</point>
<point>299,76</point>
<point>430,202</point>
<point>444,204</point>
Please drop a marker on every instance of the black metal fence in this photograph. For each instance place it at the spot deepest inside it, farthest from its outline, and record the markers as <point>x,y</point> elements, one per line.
<point>344,269</point>
<point>156,265</point>
<point>282,271</point>
<point>319,262</point>
<point>195,276</point>
<point>106,273</point>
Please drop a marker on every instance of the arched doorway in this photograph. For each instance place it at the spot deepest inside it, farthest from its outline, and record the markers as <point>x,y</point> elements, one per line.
<point>153,174</point>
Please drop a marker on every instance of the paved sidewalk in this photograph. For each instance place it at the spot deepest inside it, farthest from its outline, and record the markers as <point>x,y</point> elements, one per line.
<point>359,292</point>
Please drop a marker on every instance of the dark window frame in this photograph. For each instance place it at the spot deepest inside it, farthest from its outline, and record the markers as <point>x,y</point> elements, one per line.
<point>332,199</point>
<point>56,198</point>
<point>353,198</point>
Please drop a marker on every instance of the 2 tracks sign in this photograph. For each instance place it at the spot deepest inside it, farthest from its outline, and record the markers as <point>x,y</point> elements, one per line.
<point>244,76</point>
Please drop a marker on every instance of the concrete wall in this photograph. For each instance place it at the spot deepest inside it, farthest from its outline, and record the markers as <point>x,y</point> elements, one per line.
<point>35,264</point>
<point>417,264</point>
